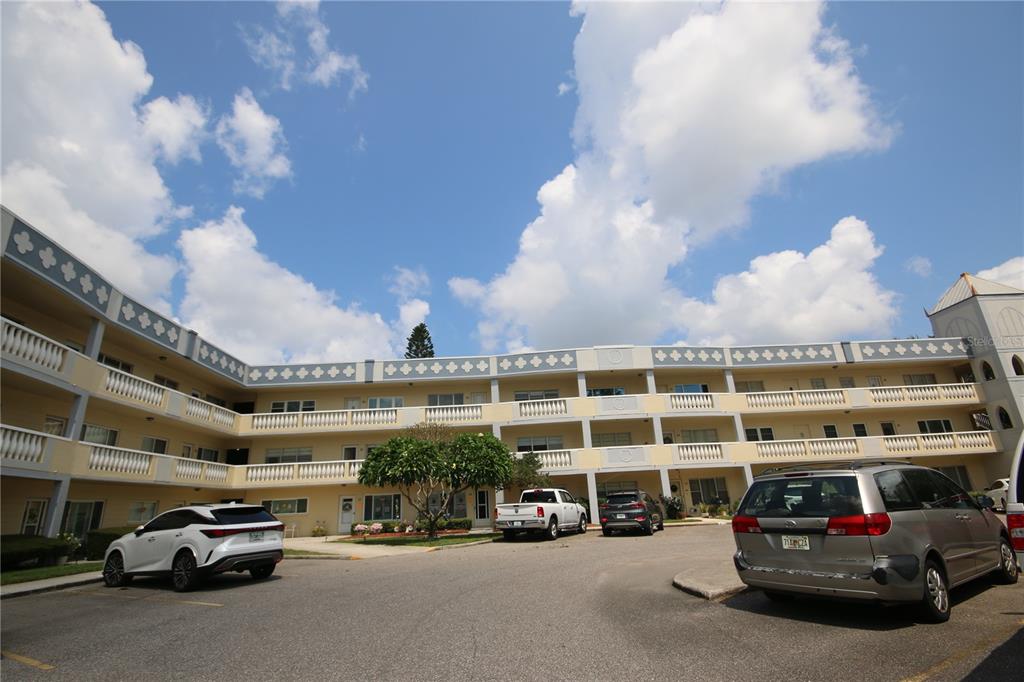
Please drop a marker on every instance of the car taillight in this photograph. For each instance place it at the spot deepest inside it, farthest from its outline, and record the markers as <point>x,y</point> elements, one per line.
<point>604,519</point>
<point>540,512</point>
<point>637,505</point>
<point>640,518</point>
<point>603,506</point>
<point>1015,522</point>
<point>860,524</point>
<point>225,532</point>
<point>745,524</point>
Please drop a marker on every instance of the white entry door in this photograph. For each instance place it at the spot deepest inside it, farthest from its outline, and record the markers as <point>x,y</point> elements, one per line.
<point>346,515</point>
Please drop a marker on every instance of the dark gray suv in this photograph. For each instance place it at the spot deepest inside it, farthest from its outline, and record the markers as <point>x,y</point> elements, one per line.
<point>631,510</point>
<point>886,531</point>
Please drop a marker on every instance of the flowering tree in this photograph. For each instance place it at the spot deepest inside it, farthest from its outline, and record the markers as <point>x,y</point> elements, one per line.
<point>441,468</point>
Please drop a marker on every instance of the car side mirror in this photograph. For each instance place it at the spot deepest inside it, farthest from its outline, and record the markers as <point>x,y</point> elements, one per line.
<point>140,530</point>
<point>985,502</point>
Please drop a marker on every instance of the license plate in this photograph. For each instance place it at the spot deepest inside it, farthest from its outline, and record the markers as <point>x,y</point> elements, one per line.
<point>796,542</point>
<point>256,536</point>
<point>620,516</point>
<point>517,523</point>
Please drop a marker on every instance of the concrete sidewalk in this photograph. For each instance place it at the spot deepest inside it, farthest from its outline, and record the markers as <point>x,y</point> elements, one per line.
<point>48,584</point>
<point>359,550</point>
<point>708,571</point>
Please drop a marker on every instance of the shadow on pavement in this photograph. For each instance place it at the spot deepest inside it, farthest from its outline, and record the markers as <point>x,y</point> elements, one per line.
<point>1004,663</point>
<point>216,583</point>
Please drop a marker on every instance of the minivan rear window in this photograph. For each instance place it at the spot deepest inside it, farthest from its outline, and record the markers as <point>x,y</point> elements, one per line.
<point>803,497</point>
<point>230,515</point>
<point>539,496</point>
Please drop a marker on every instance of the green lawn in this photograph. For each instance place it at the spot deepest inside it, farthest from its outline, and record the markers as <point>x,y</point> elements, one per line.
<point>305,552</point>
<point>422,540</point>
<point>27,574</point>
<point>669,522</point>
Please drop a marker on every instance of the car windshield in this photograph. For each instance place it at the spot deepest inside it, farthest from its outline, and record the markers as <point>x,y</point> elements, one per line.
<point>230,515</point>
<point>538,496</point>
<point>819,496</point>
<point>623,498</point>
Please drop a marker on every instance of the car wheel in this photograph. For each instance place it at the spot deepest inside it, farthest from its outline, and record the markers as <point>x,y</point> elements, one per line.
<point>184,575</point>
<point>1007,572</point>
<point>113,571</point>
<point>778,596</point>
<point>262,572</point>
<point>606,532</point>
<point>935,601</point>
<point>552,533</point>
<point>583,525</point>
<point>649,528</point>
<point>509,535</point>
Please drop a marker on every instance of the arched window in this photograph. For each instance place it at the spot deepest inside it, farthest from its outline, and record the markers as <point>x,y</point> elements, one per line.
<point>1004,419</point>
<point>986,371</point>
<point>1018,366</point>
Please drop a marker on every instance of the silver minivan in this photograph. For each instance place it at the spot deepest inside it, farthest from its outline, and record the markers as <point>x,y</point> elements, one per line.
<point>884,531</point>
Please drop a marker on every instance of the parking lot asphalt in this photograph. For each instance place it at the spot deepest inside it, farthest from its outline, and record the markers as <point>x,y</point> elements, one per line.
<point>581,608</point>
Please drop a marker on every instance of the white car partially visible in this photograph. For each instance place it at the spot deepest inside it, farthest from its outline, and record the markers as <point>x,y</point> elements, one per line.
<point>998,490</point>
<point>191,543</point>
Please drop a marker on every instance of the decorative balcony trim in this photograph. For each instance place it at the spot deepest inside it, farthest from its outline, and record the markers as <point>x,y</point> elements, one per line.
<point>546,361</point>
<point>212,357</point>
<point>895,350</point>
<point>430,368</point>
<point>148,323</point>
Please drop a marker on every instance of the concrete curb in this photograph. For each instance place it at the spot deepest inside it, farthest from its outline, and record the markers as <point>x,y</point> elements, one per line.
<point>333,557</point>
<point>689,586</point>
<point>36,586</point>
<point>461,544</point>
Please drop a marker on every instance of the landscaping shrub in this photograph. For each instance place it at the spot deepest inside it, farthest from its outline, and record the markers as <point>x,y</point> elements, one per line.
<point>446,524</point>
<point>673,507</point>
<point>30,550</point>
<point>97,541</point>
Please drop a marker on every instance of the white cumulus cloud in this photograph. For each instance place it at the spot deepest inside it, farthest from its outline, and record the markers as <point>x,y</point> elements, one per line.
<point>686,113</point>
<point>919,265</point>
<point>176,127</point>
<point>254,143</point>
<point>243,301</point>
<point>1010,272</point>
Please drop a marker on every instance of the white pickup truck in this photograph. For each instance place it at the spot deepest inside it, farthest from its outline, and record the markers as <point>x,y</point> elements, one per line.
<point>550,510</point>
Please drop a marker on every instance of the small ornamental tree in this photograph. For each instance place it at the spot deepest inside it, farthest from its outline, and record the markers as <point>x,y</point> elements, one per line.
<point>419,344</point>
<point>526,472</point>
<point>421,469</point>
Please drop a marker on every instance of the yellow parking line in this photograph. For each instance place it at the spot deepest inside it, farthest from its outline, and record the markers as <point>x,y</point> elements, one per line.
<point>142,597</point>
<point>978,648</point>
<point>186,601</point>
<point>25,660</point>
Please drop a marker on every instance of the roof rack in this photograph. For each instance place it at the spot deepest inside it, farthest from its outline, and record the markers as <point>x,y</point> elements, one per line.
<point>842,464</point>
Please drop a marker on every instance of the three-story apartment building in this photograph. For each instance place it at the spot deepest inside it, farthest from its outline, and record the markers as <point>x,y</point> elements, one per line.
<point>113,412</point>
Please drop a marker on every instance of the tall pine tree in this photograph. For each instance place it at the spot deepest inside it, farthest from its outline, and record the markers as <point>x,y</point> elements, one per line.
<point>420,345</point>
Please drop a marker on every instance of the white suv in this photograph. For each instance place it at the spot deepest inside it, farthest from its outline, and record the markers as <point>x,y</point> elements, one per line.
<point>190,543</point>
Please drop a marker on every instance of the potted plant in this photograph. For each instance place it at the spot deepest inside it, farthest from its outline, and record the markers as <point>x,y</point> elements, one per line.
<point>72,543</point>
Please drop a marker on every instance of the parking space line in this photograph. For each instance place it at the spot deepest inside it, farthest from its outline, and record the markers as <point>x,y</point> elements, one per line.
<point>142,597</point>
<point>978,648</point>
<point>25,660</point>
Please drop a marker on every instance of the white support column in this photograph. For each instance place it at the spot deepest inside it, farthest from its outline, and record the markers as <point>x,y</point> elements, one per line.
<point>666,486</point>
<point>95,340</point>
<point>76,418</point>
<point>581,383</point>
<point>495,393</point>
<point>592,497</point>
<point>651,387</point>
<point>730,383</point>
<point>55,508</point>
<point>748,474</point>
<point>499,495</point>
<point>588,442</point>
<point>496,431</point>
<point>659,436</point>
<point>737,421</point>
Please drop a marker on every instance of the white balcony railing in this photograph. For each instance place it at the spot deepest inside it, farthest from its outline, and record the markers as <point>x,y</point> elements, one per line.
<point>454,413</point>
<point>303,471</point>
<point>813,398</point>
<point>699,452</point>
<point>691,401</point>
<point>819,447</point>
<point>935,442</point>
<point>31,347</point>
<point>120,460</point>
<point>132,387</point>
<point>888,395</point>
<point>208,412</point>
<point>198,470</point>
<point>556,459</point>
<point>551,407</point>
<point>22,446</point>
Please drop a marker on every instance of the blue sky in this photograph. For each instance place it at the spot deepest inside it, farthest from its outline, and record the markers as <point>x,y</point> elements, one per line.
<point>436,166</point>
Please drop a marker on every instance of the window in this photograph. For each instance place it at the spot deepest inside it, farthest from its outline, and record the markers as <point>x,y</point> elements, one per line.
<point>1018,365</point>
<point>289,455</point>
<point>278,507</point>
<point>874,382</point>
<point>699,436</point>
<point>290,405</point>
<point>888,428</point>
<point>100,435</point>
<point>456,508</point>
<point>599,392</point>
<point>241,514</point>
<point>847,382</point>
<point>918,379</point>
<point>483,508</point>
<point>141,512</point>
<point>538,443</point>
<point>818,384</point>
<point>207,454</point>
<point>196,393</point>
<point>860,430</point>
<point>690,388</point>
<point>386,402</point>
<point>187,449</point>
<point>156,445</point>
<point>216,401</point>
<point>535,496</point>
<point>981,421</point>
<point>371,448</point>
<point>708,491</point>
<point>81,516</point>
<point>611,487</point>
<point>749,386</point>
<point>1004,419</point>
<point>608,440</point>
<point>348,452</point>
<point>116,364</point>
<point>164,381</point>
<point>957,474</point>
<point>34,517</point>
<point>566,497</point>
<point>986,372</point>
<point>352,404</point>
<point>934,426</point>
<point>55,426</point>
<point>935,491</point>
<point>895,492</point>
<point>441,399</point>
<point>830,431</point>
<point>546,394</point>
<point>760,433</point>
<point>477,398</point>
<point>382,507</point>
<point>820,496</point>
